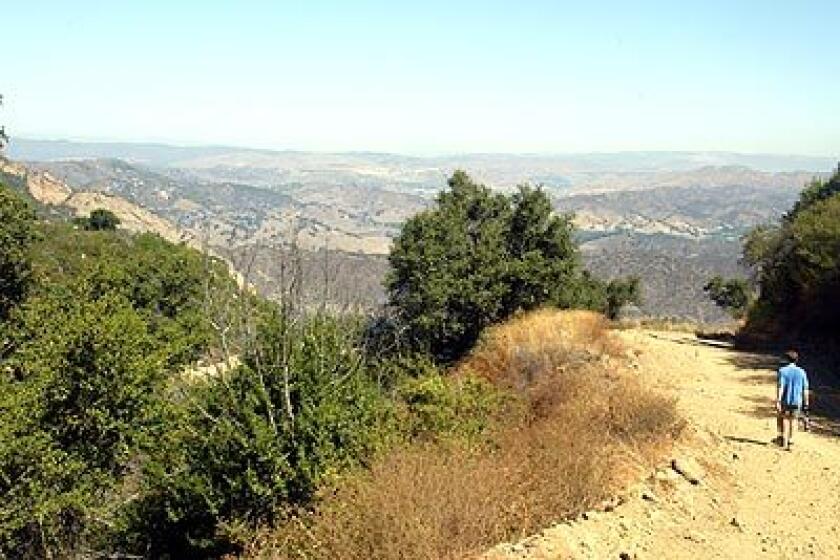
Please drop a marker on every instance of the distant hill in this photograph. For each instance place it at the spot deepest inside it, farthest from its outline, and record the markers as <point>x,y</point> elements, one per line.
<point>698,210</point>
<point>673,218</point>
<point>47,190</point>
<point>559,171</point>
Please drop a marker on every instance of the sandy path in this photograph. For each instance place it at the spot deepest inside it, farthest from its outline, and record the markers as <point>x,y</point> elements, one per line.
<point>754,500</point>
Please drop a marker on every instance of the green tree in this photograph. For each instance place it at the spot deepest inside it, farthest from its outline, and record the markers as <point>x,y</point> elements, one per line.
<point>17,234</point>
<point>816,191</point>
<point>543,260</point>
<point>447,268</point>
<point>476,258</point>
<point>796,265</point>
<point>101,220</point>
<point>621,292</point>
<point>733,295</point>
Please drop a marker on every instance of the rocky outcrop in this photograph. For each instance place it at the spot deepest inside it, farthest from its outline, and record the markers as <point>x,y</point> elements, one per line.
<point>48,190</point>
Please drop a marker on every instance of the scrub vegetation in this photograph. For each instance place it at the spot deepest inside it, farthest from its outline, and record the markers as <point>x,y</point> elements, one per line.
<point>152,405</point>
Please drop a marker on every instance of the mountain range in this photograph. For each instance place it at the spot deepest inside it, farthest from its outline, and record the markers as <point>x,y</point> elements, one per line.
<point>672,218</point>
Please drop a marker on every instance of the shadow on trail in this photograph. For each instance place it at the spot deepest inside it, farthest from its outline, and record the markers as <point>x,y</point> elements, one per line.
<point>758,366</point>
<point>747,440</point>
<point>712,343</point>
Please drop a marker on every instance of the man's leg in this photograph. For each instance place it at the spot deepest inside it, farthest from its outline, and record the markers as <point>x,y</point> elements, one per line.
<point>780,425</point>
<point>785,429</point>
<point>792,418</point>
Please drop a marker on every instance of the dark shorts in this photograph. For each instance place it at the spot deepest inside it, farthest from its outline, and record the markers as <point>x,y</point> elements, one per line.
<point>791,409</point>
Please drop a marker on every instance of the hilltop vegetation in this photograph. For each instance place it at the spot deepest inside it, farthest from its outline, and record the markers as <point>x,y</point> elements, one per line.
<point>797,265</point>
<point>478,257</point>
<point>114,441</point>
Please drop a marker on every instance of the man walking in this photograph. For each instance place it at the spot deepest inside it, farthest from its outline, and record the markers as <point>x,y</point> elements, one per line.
<point>791,397</point>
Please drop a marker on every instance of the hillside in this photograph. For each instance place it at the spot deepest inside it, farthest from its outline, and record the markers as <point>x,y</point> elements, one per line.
<point>674,219</point>
<point>698,210</point>
<point>224,212</point>
<point>48,190</point>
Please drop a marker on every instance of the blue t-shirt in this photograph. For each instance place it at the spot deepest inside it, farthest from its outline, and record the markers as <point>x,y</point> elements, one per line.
<point>794,383</point>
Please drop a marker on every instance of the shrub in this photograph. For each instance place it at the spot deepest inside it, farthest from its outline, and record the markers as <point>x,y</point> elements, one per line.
<point>263,437</point>
<point>515,354</point>
<point>80,396</point>
<point>169,285</point>
<point>586,429</point>
<point>733,294</point>
<point>796,264</point>
<point>438,406</point>
<point>99,220</point>
<point>17,234</point>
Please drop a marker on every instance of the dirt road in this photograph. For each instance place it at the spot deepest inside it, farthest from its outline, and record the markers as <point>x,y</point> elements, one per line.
<point>753,499</point>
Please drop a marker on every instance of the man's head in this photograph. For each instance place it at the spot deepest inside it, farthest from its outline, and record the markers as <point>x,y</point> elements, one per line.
<point>792,356</point>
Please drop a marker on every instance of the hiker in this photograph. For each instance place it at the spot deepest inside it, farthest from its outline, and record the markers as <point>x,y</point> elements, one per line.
<point>791,397</point>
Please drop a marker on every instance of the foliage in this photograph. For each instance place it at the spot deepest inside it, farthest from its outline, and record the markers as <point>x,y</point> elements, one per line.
<point>17,234</point>
<point>79,397</point>
<point>816,191</point>
<point>263,436</point>
<point>168,285</point>
<point>99,220</point>
<point>4,138</point>
<point>108,319</point>
<point>479,257</point>
<point>586,431</point>
<point>732,294</point>
<point>621,292</point>
<point>797,263</point>
<point>110,442</point>
<point>438,406</point>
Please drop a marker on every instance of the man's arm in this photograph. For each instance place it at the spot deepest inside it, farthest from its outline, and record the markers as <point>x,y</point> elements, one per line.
<point>779,391</point>
<point>806,390</point>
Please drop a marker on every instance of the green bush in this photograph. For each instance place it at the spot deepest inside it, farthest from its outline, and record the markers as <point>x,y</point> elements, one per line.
<point>263,436</point>
<point>734,294</point>
<point>797,264</point>
<point>99,220</point>
<point>167,284</point>
<point>17,234</point>
<point>438,406</point>
<point>80,397</point>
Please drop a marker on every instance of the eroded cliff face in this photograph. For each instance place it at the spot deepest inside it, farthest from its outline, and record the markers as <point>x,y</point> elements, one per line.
<point>47,189</point>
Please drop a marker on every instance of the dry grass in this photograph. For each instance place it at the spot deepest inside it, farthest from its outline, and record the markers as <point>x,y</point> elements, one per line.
<point>516,353</point>
<point>677,325</point>
<point>584,432</point>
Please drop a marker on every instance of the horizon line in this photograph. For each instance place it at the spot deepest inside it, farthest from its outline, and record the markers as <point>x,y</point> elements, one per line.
<point>424,155</point>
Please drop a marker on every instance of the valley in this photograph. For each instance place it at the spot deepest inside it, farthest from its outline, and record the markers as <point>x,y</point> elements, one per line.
<point>673,219</point>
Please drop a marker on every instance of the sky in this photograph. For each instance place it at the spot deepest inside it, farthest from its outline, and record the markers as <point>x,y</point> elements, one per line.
<point>427,77</point>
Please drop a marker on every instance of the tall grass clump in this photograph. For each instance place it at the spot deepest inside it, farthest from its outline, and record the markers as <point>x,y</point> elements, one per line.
<point>583,427</point>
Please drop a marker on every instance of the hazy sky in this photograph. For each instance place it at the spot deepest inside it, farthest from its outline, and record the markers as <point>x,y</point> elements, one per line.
<point>427,77</point>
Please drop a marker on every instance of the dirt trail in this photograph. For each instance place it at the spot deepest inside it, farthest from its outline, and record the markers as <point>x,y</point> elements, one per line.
<point>753,500</point>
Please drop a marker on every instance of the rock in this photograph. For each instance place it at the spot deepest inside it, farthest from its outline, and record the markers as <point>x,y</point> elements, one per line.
<point>689,469</point>
<point>666,475</point>
<point>611,503</point>
<point>649,496</point>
